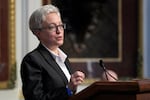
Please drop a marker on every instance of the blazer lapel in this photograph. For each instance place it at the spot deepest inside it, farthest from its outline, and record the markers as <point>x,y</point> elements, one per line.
<point>51,61</point>
<point>67,63</point>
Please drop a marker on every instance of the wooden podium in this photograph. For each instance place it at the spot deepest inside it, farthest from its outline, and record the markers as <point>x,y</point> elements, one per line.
<point>120,90</point>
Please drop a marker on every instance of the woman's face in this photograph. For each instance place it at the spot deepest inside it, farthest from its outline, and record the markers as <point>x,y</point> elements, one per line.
<point>52,33</point>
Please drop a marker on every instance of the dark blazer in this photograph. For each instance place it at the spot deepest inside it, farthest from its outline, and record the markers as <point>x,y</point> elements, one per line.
<point>41,76</point>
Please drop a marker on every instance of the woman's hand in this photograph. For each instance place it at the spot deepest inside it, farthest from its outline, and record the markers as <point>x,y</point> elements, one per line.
<point>76,79</point>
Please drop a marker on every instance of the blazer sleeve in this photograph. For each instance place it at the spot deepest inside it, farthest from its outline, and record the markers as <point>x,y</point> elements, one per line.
<point>33,85</point>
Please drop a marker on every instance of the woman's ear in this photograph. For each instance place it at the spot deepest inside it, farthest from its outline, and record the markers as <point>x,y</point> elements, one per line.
<point>37,33</point>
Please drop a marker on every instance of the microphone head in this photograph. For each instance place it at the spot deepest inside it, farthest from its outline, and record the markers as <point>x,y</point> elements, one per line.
<point>101,63</point>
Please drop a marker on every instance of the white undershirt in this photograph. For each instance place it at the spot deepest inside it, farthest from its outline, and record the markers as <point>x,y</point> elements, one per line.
<point>60,59</point>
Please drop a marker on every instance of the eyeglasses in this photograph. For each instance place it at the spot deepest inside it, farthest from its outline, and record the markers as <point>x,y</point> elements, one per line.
<point>53,27</point>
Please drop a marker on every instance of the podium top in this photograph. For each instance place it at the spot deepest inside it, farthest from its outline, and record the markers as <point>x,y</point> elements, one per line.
<point>124,87</point>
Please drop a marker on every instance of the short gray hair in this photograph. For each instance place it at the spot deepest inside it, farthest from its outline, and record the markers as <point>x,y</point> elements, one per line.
<point>38,16</point>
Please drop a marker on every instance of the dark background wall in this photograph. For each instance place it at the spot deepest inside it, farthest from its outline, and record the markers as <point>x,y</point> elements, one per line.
<point>82,22</point>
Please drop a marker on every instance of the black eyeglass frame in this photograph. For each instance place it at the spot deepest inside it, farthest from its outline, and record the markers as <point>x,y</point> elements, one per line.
<point>53,27</point>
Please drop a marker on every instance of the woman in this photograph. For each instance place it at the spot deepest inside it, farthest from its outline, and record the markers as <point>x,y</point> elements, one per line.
<point>45,72</point>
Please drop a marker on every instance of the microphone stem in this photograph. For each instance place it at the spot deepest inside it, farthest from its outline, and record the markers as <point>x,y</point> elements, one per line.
<point>106,74</point>
<point>110,75</point>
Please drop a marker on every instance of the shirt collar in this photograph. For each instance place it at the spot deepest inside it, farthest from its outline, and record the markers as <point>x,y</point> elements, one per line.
<point>60,54</point>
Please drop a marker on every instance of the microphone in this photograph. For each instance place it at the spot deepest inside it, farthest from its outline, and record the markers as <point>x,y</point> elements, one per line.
<point>106,71</point>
